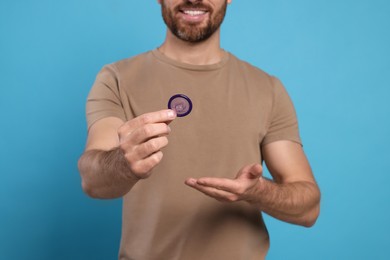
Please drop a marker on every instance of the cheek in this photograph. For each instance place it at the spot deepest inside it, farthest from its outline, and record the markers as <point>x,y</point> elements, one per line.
<point>166,2</point>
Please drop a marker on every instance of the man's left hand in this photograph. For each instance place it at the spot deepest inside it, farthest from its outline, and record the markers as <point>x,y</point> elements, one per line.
<point>242,187</point>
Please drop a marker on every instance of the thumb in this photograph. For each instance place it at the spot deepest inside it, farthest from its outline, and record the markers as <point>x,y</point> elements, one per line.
<point>255,171</point>
<point>251,171</point>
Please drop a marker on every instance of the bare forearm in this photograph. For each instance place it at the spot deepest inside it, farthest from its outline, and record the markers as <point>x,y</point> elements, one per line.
<point>296,203</point>
<point>105,174</point>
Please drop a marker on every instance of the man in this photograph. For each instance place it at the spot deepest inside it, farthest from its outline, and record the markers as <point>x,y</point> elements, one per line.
<point>204,199</point>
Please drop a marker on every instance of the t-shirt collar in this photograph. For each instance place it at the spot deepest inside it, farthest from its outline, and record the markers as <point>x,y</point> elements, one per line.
<point>160,56</point>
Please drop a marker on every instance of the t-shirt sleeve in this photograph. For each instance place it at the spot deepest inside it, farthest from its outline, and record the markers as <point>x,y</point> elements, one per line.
<point>104,97</point>
<point>283,123</point>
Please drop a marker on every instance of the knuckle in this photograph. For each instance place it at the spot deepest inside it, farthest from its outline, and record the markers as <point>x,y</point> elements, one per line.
<point>139,170</point>
<point>129,159</point>
<point>127,148</point>
<point>156,158</point>
<point>147,130</point>
<point>125,128</point>
<point>164,141</point>
<point>152,145</point>
<point>145,119</point>
<point>123,146</point>
<point>142,169</point>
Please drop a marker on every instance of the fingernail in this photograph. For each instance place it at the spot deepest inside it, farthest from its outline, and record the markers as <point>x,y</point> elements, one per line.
<point>191,182</point>
<point>171,114</point>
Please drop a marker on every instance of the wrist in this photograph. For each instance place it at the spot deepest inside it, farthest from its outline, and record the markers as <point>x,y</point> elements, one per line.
<point>259,193</point>
<point>124,166</point>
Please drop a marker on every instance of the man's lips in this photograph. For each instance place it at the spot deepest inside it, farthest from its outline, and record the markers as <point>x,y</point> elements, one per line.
<point>193,14</point>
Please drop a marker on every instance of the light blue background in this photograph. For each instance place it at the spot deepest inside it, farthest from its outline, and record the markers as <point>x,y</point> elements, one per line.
<point>333,57</point>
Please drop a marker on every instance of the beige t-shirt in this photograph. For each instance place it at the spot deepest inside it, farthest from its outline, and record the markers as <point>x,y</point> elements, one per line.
<point>237,108</point>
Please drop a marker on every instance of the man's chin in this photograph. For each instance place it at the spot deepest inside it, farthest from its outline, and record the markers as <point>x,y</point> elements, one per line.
<point>192,37</point>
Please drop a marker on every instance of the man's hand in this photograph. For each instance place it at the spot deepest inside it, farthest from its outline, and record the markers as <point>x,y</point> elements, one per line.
<point>242,187</point>
<point>119,153</point>
<point>142,139</point>
<point>292,196</point>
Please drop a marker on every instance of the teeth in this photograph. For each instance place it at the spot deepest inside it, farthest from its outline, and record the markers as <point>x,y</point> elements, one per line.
<point>194,13</point>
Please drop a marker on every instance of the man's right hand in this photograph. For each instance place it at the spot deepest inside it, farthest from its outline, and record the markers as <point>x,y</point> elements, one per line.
<point>119,153</point>
<point>142,138</point>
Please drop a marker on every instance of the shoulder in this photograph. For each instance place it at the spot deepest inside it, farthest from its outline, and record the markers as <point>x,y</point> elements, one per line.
<point>254,74</point>
<point>127,68</point>
<point>248,67</point>
<point>131,62</point>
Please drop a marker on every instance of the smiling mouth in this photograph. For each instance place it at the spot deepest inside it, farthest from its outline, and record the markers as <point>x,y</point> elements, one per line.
<point>193,12</point>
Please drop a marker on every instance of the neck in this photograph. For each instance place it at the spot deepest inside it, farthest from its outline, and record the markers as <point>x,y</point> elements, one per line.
<point>202,53</point>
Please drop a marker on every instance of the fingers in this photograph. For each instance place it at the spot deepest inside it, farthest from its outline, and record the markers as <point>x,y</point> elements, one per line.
<point>230,190</point>
<point>142,138</point>
<point>218,194</point>
<point>221,184</point>
<point>162,116</point>
<point>146,149</point>
<point>143,158</point>
<point>142,168</point>
<point>144,133</point>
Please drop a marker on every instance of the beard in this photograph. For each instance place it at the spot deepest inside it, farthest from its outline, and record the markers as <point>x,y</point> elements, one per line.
<point>193,32</point>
